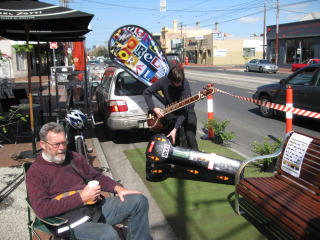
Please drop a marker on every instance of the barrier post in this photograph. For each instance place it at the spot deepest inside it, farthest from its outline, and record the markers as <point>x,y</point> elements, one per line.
<point>186,62</point>
<point>210,134</point>
<point>289,103</point>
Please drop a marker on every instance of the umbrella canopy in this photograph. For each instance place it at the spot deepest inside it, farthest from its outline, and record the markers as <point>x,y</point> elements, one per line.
<point>46,36</point>
<point>39,16</point>
<point>41,21</point>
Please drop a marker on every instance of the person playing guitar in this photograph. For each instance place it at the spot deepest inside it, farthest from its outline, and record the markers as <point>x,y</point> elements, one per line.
<point>174,88</point>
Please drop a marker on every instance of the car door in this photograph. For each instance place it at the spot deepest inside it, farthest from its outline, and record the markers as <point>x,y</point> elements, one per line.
<point>255,66</point>
<point>306,89</point>
<point>104,89</point>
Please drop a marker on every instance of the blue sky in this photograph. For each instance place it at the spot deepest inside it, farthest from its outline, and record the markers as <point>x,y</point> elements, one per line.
<point>237,17</point>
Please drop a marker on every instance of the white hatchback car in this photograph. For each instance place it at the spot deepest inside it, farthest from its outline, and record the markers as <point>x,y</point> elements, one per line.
<point>120,100</point>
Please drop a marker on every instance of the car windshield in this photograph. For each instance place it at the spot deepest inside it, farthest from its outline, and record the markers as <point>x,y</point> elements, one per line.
<point>304,77</point>
<point>173,57</point>
<point>126,85</point>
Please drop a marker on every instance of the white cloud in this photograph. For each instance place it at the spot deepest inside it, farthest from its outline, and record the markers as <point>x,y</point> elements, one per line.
<point>295,17</point>
<point>250,19</point>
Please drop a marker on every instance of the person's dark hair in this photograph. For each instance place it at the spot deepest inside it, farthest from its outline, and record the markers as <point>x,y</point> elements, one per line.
<point>176,74</point>
<point>50,127</point>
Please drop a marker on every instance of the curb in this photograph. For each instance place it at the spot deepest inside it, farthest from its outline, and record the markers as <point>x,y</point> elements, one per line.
<point>106,170</point>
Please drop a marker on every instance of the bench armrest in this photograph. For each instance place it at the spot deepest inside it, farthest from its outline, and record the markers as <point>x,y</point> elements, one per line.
<point>240,171</point>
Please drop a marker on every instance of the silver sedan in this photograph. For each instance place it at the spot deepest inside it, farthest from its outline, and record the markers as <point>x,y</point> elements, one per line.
<point>261,65</point>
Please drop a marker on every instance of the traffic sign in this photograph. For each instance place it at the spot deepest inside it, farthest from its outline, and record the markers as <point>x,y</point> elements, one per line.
<point>53,45</point>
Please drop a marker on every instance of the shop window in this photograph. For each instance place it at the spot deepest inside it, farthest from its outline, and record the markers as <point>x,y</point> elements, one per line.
<point>21,56</point>
<point>299,50</point>
<point>209,53</point>
<point>273,51</point>
<point>249,52</point>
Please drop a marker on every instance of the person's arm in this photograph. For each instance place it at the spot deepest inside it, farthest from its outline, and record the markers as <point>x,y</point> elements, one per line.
<point>121,191</point>
<point>148,92</point>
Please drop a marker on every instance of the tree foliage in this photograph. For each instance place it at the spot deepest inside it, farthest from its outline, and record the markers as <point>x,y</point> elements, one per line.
<point>99,51</point>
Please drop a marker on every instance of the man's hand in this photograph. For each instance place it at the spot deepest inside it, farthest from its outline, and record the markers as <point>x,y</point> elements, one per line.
<point>121,191</point>
<point>90,194</point>
<point>159,112</point>
<point>173,134</point>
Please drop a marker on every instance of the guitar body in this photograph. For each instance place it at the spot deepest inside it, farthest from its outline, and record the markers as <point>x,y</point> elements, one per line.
<point>155,124</point>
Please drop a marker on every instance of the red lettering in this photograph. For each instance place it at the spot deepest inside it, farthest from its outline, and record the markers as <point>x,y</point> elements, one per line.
<point>139,33</point>
<point>153,80</point>
<point>132,43</point>
<point>154,61</point>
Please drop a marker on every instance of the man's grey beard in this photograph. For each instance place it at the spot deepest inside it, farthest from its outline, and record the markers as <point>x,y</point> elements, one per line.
<point>57,160</point>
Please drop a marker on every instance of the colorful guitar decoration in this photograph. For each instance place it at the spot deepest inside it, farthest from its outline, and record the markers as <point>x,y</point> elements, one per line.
<point>155,124</point>
<point>136,51</point>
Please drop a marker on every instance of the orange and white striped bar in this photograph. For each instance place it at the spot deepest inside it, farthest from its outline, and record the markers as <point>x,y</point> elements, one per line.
<point>289,104</point>
<point>275,106</point>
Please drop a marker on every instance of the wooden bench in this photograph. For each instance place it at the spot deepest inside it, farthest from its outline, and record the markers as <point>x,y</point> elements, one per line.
<point>290,198</point>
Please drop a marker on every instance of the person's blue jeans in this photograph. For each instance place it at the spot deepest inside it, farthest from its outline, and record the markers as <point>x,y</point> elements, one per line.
<point>134,209</point>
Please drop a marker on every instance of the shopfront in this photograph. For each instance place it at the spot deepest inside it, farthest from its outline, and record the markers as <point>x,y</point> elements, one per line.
<point>297,42</point>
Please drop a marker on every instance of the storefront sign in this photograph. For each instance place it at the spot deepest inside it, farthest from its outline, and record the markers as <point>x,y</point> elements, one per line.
<point>220,52</point>
<point>298,29</point>
<point>218,36</point>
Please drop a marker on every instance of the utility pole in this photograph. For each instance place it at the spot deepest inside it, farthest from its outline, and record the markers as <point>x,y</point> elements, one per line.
<point>277,37</point>
<point>181,44</point>
<point>264,31</point>
<point>65,2</point>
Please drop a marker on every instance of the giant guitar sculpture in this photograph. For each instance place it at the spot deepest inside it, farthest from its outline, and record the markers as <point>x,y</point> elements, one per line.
<point>155,124</point>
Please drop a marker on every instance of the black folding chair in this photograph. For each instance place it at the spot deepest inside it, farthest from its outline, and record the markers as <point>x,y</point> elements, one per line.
<point>38,224</point>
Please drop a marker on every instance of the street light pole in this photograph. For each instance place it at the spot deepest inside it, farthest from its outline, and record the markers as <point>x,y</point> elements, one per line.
<point>264,31</point>
<point>277,37</point>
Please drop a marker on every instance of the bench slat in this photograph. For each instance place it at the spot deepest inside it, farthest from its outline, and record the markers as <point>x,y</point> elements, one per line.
<point>313,204</point>
<point>305,190</point>
<point>278,206</point>
<point>269,211</point>
<point>291,199</point>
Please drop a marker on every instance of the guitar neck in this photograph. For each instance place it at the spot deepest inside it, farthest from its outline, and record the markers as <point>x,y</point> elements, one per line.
<point>181,104</point>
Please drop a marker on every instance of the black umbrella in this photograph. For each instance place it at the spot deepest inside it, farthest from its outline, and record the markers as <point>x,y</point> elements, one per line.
<point>46,19</point>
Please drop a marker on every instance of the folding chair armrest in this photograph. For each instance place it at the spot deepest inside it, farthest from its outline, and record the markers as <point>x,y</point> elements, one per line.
<point>54,221</point>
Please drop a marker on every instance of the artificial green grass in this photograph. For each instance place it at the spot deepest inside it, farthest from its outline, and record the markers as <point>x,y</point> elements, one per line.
<point>203,210</point>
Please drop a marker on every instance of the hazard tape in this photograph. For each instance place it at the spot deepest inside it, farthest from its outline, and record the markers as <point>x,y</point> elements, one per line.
<point>276,106</point>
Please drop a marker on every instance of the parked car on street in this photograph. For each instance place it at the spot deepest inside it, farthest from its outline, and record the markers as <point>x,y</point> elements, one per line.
<point>174,60</point>
<point>297,66</point>
<point>305,84</point>
<point>120,100</point>
<point>261,65</point>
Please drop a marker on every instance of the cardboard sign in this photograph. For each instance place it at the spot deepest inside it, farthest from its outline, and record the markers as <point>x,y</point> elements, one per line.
<point>135,50</point>
<point>294,154</point>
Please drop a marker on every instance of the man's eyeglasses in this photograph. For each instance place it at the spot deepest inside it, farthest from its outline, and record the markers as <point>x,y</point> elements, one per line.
<point>57,145</point>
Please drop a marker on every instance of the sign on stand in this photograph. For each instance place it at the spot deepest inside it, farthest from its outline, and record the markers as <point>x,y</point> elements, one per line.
<point>53,45</point>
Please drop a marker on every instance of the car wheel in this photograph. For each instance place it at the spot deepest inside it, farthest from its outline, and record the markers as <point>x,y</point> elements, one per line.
<point>261,69</point>
<point>248,69</point>
<point>265,111</point>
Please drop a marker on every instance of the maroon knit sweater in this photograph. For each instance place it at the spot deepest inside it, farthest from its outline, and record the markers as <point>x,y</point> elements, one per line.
<point>47,180</point>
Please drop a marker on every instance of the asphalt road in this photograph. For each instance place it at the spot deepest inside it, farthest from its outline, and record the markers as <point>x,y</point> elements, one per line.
<point>245,119</point>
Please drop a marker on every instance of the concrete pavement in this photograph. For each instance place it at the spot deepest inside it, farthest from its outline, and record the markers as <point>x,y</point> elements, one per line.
<point>13,191</point>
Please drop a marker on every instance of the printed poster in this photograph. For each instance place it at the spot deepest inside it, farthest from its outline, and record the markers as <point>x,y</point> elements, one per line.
<point>293,155</point>
<point>135,50</point>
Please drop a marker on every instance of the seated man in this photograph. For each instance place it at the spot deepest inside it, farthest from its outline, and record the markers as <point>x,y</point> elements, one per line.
<point>51,175</point>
